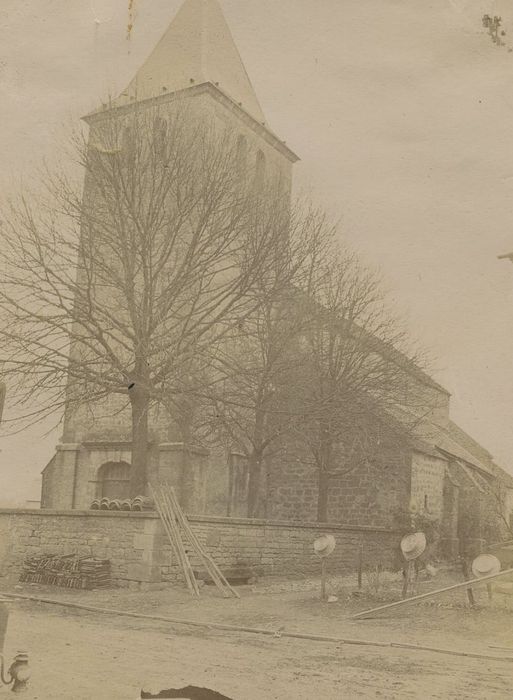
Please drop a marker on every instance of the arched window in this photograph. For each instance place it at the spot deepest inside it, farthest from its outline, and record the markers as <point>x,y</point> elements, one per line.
<point>260,170</point>
<point>114,480</point>
<point>242,154</point>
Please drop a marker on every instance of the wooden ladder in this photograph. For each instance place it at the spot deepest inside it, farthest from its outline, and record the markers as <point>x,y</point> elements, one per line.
<point>179,531</point>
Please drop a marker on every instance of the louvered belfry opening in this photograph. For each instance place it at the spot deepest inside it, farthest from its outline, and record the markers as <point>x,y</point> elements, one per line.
<point>114,480</point>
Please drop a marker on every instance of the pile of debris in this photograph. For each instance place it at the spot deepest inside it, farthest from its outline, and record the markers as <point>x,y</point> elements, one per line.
<point>67,571</point>
<point>138,504</point>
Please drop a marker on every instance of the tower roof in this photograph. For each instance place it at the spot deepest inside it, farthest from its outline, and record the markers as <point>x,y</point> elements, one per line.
<point>196,48</point>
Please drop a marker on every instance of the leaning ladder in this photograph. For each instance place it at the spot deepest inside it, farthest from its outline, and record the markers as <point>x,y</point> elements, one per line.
<point>178,530</point>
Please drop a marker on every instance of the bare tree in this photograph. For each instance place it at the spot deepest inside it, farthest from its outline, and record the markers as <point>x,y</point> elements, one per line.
<point>253,409</point>
<point>318,365</point>
<point>360,393</point>
<point>126,291</point>
<point>496,510</point>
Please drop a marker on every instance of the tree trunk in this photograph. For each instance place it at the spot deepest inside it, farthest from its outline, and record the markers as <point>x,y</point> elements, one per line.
<point>188,482</point>
<point>140,406</point>
<point>255,472</point>
<point>324,462</point>
<point>255,462</point>
<point>322,498</point>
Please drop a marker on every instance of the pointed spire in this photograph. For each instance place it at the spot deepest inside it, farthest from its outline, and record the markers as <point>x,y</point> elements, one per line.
<point>197,47</point>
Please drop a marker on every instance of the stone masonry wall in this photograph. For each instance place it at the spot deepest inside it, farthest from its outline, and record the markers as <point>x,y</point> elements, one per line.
<point>141,555</point>
<point>123,540</point>
<point>367,495</point>
<point>427,483</point>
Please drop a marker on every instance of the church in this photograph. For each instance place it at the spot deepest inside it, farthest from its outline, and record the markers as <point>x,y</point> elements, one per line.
<point>445,473</point>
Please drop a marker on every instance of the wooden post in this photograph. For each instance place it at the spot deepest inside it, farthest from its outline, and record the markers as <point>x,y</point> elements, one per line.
<point>405,580</point>
<point>466,574</point>
<point>360,566</point>
<point>409,576</point>
<point>323,578</point>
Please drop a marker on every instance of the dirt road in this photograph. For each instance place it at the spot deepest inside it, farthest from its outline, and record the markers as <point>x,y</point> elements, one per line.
<point>84,656</point>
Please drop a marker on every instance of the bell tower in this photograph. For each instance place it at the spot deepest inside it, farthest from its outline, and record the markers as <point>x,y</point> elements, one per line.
<point>195,61</point>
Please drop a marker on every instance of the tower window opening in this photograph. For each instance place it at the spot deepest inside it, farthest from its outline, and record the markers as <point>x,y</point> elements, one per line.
<point>128,145</point>
<point>260,170</point>
<point>242,154</point>
<point>114,480</point>
<point>160,136</point>
<point>127,137</point>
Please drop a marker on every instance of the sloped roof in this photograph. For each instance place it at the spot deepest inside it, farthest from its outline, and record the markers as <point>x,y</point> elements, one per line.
<point>387,350</point>
<point>455,441</point>
<point>49,465</point>
<point>502,475</point>
<point>468,442</point>
<point>196,48</point>
<point>477,455</point>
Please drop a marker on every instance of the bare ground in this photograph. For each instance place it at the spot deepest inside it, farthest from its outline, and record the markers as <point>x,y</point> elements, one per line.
<point>81,655</point>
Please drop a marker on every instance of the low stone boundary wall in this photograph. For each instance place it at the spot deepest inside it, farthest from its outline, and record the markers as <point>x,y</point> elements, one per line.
<point>140,553</point>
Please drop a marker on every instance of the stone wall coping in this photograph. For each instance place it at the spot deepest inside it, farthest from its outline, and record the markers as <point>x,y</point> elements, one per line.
<point>108,444</point>
<point>180,447</point>
<point>207,519</point>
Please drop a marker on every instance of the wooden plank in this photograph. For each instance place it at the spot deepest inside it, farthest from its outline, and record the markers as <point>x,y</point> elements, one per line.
<point>170,516</point>
<point>212,568</point>
<point>172,539</point>
<point>173,534</point>
<point>432,594</point>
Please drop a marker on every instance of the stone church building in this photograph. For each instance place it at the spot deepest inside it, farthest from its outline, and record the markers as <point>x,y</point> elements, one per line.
<point>445,472</point>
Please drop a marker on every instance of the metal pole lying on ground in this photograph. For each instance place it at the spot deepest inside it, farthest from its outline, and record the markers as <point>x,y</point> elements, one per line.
<point>431,594</point>
<point>253,630</point>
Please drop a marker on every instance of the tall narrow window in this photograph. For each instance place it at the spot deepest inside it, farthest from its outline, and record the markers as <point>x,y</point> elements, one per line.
<point>128,138</point>
<point>128,147</point>
<point>260,170</point>
<point>160,136</point>
<point>242,154</point>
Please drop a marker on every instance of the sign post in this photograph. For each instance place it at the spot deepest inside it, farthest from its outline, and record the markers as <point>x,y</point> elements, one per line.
<point>323,547</point>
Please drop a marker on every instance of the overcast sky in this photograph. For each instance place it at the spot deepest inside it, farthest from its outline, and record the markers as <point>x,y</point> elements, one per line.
<point>402,114</point>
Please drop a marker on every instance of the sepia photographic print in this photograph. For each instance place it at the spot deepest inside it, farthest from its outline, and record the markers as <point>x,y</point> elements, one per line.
<point>256,349</point>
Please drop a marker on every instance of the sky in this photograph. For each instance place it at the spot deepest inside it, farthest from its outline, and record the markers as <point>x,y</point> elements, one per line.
<point>401,113</point>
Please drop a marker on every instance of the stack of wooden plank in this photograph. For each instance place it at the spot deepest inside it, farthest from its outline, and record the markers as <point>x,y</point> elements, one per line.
<point>96,572</point>
<point>67,571</point>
